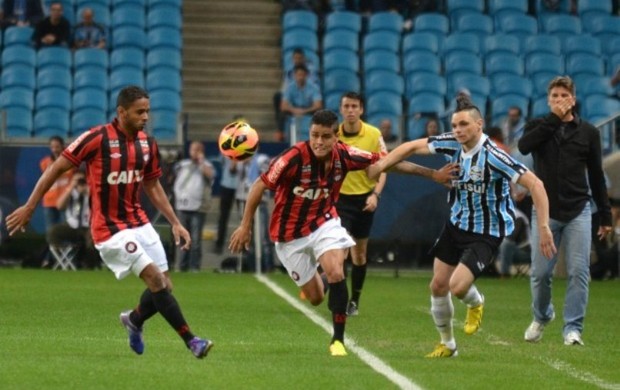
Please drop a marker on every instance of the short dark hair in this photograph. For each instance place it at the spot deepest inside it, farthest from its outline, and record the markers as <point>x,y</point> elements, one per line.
<point>562,82</point>
<point>299,50</point>
<point>325,118</point>
<point>130,94</point>
<point>300,67</point>
<point>495,132</point>
<point>353,95</point>
<point>56,138</point>
<point>464,103</point>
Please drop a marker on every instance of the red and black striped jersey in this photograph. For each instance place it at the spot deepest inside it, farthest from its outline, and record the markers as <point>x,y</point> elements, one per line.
<point>305,194</point>
<point>116,165</point>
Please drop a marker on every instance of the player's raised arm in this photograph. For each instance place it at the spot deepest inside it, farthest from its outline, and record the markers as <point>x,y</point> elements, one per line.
<point>240,238</point>
<point>419,146</point>
<point>19,218</point>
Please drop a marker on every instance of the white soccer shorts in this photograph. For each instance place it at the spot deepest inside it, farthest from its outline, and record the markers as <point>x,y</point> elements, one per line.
<point>131,250</point>
<point>300,256</point>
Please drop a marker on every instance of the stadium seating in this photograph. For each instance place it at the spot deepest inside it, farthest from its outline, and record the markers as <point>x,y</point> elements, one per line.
<point>501,43</point>
<point>590,10</point>
<point>90,98</point>
<point>18,76</point>
<point>501,105</point>
<point>585,64</point>
<point>18,122</point>
<point>381,60</point>
<point>479,24</point>
<point>520,25</point>
<point>18,36</point>
<point>51,121</point>
<point>101,13</point>
<point>425,83</point>
<point>421,62</point>
<point>340,81</point>
<point>461,43</point>
<point>165,37</point>
<point>154,4</point>
<point>381,40</point>
<point>391,22</point>
<point>606,28</point>
<point>18,55</point>
<point>91,57</point>
<point>53,97</point>
<point>304,39</point>
<point>127,57</point>
<point>85,119</point>
<point>562,26</point>
<point>507,84</point>
<point>122,77</point>
<point>54,56</point>
<point>386,102</point>
<point>383,80</point>
<point>331,101</point>
<point>502,63</point>
<point>500,9</point>
<point>91,78</point>
<point>164,79</point>
<point>135,37</point>
<point>540,107</point>
<point>462,62</point>
<point>340,39</point>
<point>164,17</point>
<point>54,77</point>
<point>426,103</point>
<point>435,23</point>
<point>132,15</point>
<point>165,100</point>
<point>458,9</point>
<point>163,58</point>
<point>475,84</point>
<point>164,124</point>
<point>343,20</point>
<point>419,42</point>
<point>300,20</point>
<point>544,63</point>
<point>341,59</point>
<point>17,97</point>
<point>542,43</point>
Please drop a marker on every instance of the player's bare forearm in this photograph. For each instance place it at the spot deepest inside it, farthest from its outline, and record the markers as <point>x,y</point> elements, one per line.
<point>253,201</point>
<point>541,202</point>
<point>159,199</point>
<point>419,146</point>
<point>47,179</point>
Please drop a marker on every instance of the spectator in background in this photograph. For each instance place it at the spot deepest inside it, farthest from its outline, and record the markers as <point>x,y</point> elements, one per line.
<point>76,229</point>
<point>228,186</point>
<point>21,13</point>
<point>299,58</point>
<point>88,33</point>
<point>567,157</point>
<point>54,30</point>
<point>192,194</point>
<point>496,135</point>
<point>432,127</point>
<point>512,126</point>
<point>52,214</point>
<point>391,139</point>
<point>301,98</point>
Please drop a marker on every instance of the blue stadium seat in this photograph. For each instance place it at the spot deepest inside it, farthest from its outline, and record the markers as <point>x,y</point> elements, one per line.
<point>476,23</point>
<point>381,60</point>
<point>18,55</point>
<point>127,57</point>
<point>164,124</point>
<point>385,21</point>
<point>340,39</point>
<point>332,101</point>
<point>121,3</point>
<point>18,122</point>
<point>132,15</point>
<point>560,7</point>
<point>164,79</point>
<point>82,3</point>
<point>68,10</point>
<point>340,81</point>
<point>376,119</point>
<point>425,83</point>
<point>385,102</point>
<point>17,97</point>
<point>416,126</point>
<point>135,37</point>
<point>475,84</point>
<point>165,100</point>
<point>91,57</point>
<point>562,26</point>
<point>383,80</point>
<point>542,43</point>
<point>501,43</point>
<point>101,13</point>
<point>501,8</point>
<point>600,106</point>
<point>606,28</point>
<point>511,84</point>
<point>544,62</point>
<point>163,58</point>
<point>585,64</point>
<point>164,17</point>
<point>90,78</point>
<point>304,39</point>
<point>93,98</point>
<point>18,36</point>
<point>613,63</point>
<point>584,43</point>
<point>154,4</point>
<point>594,86</point>
<point>462,62</point>
<point>54,77</point>
<point>500,106</point>
<point>520,25</point>
<point>461,42</point>
<point>500,63</point>
<point>611,48</point>
<point>122,77</point>
<point>341,59</point>
<point>435,23</point>
<point>540,107</point>
<point>421,61</point>
<point>85,119</point>
<point>591,9</point>
<point>343,20</point>
<point>18,76</point>
<point>54,56</point>
<point>300,19</point>
<point>457,9</point>
<point>422,41</point>
<point>426,103</point>
<point>51,121</point>
<point>53,98</point>
<point>540,82</point>
<point>381,40</point>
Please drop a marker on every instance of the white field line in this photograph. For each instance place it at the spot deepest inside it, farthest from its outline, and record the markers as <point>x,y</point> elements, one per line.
<point>556,364</point>
<point>371,360</point>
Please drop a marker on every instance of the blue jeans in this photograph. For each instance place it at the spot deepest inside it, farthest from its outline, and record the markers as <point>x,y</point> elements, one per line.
<point>575,237</point>
<point>193,222</point>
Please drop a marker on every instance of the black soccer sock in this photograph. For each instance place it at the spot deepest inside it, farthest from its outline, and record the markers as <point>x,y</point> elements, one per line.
<point>358,275</point>
<point>145,309</point>
<point>325,283</point>
<point>337,303</point>
<point>169,308</point>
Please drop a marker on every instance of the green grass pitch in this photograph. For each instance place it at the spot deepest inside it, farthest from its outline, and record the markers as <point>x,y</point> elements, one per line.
<point>60,330</point>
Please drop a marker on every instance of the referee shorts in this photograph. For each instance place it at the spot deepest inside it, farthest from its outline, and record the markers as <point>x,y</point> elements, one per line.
<point>350,210</point>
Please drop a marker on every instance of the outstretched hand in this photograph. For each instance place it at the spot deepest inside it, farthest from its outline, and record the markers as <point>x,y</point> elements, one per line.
<point>179,232</point>
<point>240,240</point>
<point>446,174</point>
<point>18,219</point>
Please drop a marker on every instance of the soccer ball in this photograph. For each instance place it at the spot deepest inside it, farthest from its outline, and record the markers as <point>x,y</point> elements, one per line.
<point>238,141</point>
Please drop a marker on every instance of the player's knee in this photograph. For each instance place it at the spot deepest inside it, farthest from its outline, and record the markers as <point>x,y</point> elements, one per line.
<point>459,289</point>
<point>316,300</point>
<point>156,281</point>
<point>438,288</point>
<point>334,275</point>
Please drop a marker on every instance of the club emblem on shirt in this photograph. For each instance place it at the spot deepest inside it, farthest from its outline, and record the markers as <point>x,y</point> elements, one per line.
<point>295,276</point>
<point>475,173</point>
<point>131,247</point>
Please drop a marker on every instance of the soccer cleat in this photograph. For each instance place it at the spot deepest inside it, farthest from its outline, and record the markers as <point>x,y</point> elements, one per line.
<point>473,319</point>
<point>200,347</point>
<point>135,334</point>
<point>442,351</point>
<point>352,309</point>
<point>534,332</point>
<point>337,348</point>
<point>573,338</point>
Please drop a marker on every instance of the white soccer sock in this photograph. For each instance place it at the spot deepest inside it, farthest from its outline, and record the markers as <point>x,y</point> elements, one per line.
<point>443,311</point>
<point>473,298</point>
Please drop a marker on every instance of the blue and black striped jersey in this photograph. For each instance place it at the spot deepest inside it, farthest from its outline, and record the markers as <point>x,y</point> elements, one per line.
<point>480,199</point>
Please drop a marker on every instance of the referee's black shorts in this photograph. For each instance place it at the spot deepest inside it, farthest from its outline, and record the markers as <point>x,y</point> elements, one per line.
<point>356,221</point>
<point>475,251</point>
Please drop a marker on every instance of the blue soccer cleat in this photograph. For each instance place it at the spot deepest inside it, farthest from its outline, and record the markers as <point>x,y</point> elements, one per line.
<point>135,333</point>
<point>200,347</point>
